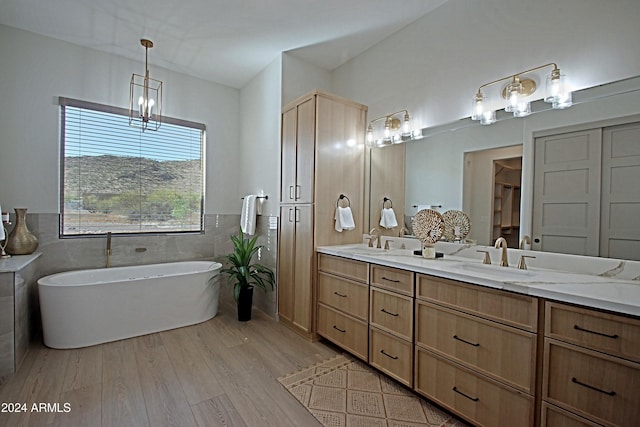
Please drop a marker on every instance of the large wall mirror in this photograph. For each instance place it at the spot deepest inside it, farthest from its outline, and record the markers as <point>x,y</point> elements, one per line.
<point>454,166</point>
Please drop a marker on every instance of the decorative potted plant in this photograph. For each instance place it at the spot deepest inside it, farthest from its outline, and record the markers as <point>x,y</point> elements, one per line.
<point>245,275</point>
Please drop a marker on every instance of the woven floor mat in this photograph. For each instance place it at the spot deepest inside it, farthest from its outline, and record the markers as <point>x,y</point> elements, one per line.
<point>343,391</point>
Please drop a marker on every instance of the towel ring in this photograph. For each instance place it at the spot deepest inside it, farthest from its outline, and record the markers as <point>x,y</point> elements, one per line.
<point>342,196</point>
<point>385,200</point>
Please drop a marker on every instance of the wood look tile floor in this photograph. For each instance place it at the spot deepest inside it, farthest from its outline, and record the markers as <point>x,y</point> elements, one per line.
<point>218,373</point>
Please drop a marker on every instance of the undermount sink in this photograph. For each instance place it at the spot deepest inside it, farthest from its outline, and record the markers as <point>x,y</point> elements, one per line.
<point>496,270</point>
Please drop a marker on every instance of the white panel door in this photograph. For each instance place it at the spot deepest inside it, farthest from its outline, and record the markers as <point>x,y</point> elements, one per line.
<point>566,200</point>
<point>620,215</point>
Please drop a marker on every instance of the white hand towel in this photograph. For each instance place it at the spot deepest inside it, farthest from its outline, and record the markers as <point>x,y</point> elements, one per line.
<point>248,214</point>
<point>344,219</point>
<point>2,236</point>
<point>388,218</point>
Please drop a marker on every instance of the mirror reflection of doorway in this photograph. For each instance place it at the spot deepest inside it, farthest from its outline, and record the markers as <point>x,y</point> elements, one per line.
<point>479,190</point>
<point>507,182</point>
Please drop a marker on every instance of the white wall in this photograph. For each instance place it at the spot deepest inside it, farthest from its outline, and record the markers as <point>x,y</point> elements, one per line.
<point>434,66</point>
<point>35,70</point>
<point>300,77</point>
<point>259,171</point>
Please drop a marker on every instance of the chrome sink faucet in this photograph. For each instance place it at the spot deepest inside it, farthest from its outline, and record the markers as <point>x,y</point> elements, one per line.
<point>502,243</point>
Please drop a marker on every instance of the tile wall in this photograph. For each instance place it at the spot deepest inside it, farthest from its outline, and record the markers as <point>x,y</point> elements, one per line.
<point>81,253</point>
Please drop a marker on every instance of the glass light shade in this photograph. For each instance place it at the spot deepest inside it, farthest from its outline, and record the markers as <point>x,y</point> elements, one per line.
<point>562,102</point>
<point>523,109</point>
<point>477,106</point>
<point>514,95</point>
<point>488,118</point>
<point>557,92</point>
<point>370,134</point>
<point>405,125</point>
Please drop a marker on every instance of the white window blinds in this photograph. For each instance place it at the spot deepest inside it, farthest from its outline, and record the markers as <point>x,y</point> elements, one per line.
<point>116,178</point>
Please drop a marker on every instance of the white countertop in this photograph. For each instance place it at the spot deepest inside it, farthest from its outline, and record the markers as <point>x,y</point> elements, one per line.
<point>595,291</point>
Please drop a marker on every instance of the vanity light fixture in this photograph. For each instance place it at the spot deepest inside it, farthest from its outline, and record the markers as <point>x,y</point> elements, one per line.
<point>518,92</point>
<point>391,130</point>
<point>145,97</point>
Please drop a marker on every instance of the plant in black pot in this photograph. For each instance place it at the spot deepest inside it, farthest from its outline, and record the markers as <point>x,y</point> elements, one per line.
<point>245,275</point>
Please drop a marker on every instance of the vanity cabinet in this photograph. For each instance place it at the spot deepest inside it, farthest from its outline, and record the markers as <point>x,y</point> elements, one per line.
<point>343,303</point>
<point>315,171</point>
<point>492,357</point>
<point>19,310</point>
<point>475,351</point>
<point>391,322</point>
<point>591,366</point>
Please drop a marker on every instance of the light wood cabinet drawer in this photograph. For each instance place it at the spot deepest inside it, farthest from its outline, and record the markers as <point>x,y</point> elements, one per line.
<point>502,352</point>
<point>475,397</point>
<point>343,294</point>
<point>392,312</point>
<point>600,387</point>
<point>355,270</point>
<point>393,279</point>
<point>516,310</point>
<point>609,333</point>
<point>391,355</point>
<point>552,416</point>
<point>345,331</point>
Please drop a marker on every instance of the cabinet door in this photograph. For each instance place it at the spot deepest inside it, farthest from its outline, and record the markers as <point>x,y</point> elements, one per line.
<point>343,330</point>
<point>507,354</point>
<point>305,152</point>
<point>391,355</point>
<point>298,153</point>
<point>295,266</point>
<point>288,153</point>
<point>303,260</point>
<point>473,396</point>
<point>286,263</point>
<point>592,384</point>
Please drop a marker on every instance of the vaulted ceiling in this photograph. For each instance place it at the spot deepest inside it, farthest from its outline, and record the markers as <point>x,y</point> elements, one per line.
<point>225,41</point>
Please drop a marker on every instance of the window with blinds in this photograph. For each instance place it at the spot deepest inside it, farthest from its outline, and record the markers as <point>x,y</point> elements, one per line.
<point>116,178</point>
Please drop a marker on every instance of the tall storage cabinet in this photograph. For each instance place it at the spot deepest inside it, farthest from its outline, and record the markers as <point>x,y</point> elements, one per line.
<point>322,158</point>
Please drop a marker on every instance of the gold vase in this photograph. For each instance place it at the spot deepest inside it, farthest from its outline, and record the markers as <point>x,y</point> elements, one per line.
<point>21,241</point>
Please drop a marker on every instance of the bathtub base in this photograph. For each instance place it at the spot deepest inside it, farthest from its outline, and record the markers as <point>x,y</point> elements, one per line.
<point>81,315</point>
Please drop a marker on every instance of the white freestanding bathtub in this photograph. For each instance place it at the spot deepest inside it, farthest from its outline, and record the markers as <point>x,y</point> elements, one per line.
<point>87,307</point>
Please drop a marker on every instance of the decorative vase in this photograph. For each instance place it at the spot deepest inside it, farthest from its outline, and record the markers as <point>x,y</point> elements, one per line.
<point>245,303</point>
<point>21,241</point>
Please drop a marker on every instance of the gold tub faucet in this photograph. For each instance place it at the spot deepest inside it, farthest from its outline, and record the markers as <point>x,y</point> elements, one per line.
<point>108,251</point>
